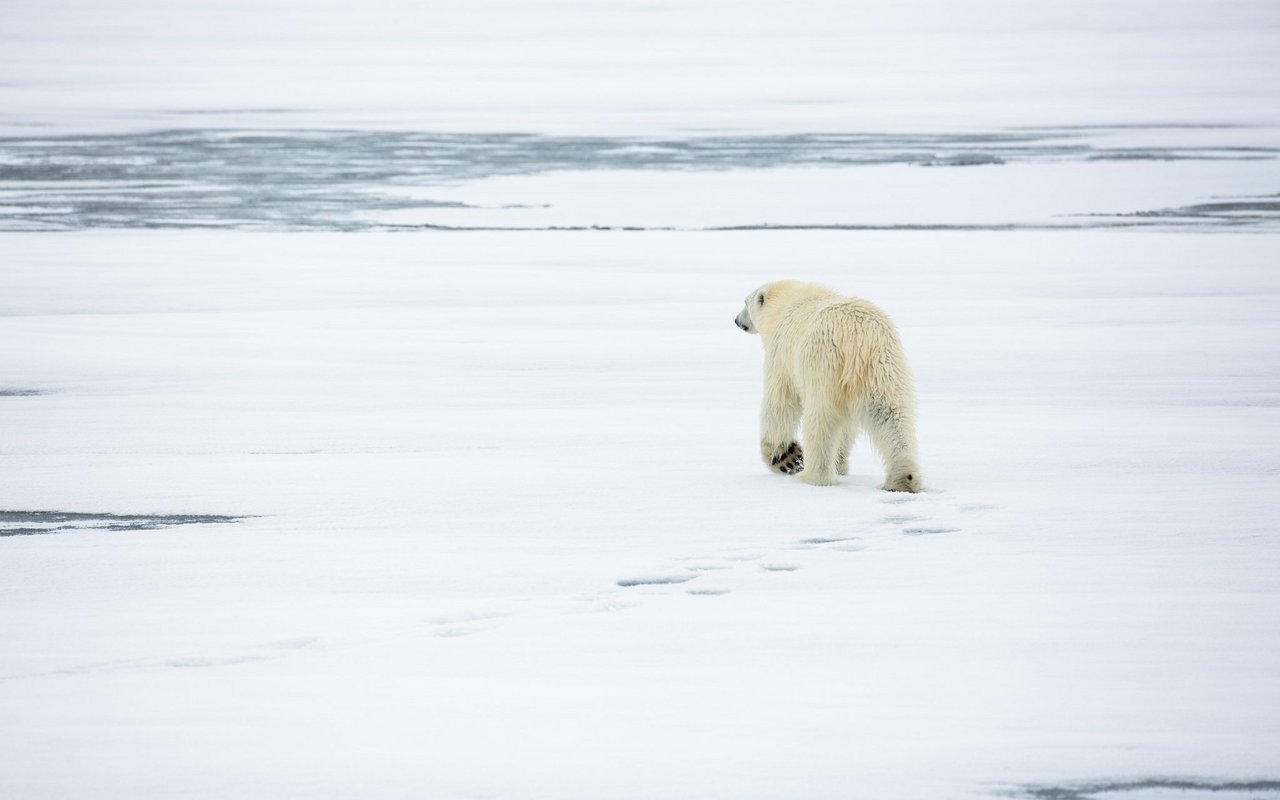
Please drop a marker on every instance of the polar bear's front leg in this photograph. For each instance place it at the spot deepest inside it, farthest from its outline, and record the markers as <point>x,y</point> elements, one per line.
<point>847,437</point>
<point>779,416</point>
<point>822,433</point>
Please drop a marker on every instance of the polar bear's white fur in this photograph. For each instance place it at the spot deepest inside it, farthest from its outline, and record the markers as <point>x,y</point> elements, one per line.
<point>833,365</point>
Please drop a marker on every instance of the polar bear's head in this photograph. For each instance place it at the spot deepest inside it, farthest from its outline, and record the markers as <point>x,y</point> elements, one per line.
<point>762,306</point>
<point>751,307</point>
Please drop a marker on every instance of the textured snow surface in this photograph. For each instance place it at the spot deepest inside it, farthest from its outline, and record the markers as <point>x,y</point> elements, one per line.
<point>501,505</point>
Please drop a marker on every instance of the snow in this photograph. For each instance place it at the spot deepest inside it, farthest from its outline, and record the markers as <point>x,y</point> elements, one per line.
<point>1030,194</point>
<point>312,507</point>
<point>504,506</point>
<point>633,66</point>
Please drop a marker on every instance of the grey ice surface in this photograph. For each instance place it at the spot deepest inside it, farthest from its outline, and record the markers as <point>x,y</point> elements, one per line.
<point>1155,789</point>
<point>32,523</point>
<point>345,180</point>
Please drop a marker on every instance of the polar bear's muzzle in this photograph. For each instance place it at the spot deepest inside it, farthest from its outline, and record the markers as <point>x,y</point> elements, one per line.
<point>744,321</point>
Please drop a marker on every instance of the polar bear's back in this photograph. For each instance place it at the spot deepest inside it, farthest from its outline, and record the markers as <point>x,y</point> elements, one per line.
<point>843,345</point>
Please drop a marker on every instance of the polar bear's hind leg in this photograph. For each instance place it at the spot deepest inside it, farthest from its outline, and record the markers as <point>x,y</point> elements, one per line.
<point>891,431</point>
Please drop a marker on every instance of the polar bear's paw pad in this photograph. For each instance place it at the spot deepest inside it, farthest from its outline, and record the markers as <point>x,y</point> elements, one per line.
<point>788,461</point>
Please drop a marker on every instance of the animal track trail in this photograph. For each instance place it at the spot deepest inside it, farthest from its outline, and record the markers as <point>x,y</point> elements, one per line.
<point>733,565</point>
<point>701,577</point>
<point>690,568</point>
<point>452,626</point>
<point>923,514</point>
<point>739,564</point>
<point>931,513</point>
<point>846,544</point>
<point>656,580</point>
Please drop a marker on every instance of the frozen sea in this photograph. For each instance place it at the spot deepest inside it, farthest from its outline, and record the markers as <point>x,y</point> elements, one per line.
<point>373,423</point>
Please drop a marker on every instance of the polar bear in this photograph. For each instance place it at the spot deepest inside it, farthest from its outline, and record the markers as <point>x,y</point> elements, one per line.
<point>834,365</point>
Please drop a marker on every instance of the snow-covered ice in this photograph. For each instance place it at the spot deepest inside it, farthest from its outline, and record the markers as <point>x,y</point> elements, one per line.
<point>636,66</point>
<point>405,482</point>
<point>502,506</point>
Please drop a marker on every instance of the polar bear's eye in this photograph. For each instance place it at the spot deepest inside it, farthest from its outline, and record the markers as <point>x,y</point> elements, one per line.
<point>760,298</point>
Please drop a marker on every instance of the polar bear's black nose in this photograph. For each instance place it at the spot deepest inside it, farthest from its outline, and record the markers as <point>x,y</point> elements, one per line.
<point>738,322</point>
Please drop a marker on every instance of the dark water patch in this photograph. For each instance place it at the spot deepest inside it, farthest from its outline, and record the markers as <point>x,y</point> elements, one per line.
<point>1223,212</point>
<point>1217,217</point>
<point>1268,207</point>
<point>33,523</point>
<point>1186,154</point>
<point>1188,788</point>
<point>912,227</point>
<point>350,180</point>
<point>1133,126</point>
<point>964,160</point>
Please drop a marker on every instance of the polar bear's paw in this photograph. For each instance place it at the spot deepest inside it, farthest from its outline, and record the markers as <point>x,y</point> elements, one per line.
<point>904,481</point>
<point>787,459</point>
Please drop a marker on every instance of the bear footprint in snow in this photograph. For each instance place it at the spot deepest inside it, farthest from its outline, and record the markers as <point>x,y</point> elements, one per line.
<point>654,580</point>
